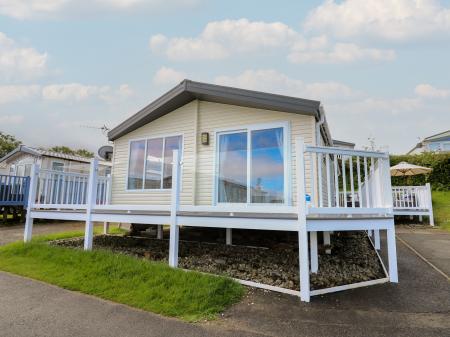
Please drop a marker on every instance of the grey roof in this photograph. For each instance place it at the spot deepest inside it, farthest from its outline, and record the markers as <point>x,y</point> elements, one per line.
<point>438,136</point>
<point>42,152</point>
<point>188,91</point>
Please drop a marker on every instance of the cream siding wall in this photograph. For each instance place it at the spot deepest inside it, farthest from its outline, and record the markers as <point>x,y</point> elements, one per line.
<point>212,117</point>
<point>178,122</point>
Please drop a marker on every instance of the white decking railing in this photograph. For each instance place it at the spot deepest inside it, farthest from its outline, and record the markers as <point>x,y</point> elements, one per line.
<point>68,196</point>
<point>56,189</point>
<point>410,197</point>
<point>413,200</point>
<point>348,181</point>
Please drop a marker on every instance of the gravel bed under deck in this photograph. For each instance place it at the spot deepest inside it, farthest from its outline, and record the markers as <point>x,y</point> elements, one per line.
<point>352,260</point>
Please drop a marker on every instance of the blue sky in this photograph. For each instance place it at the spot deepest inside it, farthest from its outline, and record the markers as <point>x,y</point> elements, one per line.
<point>380,68</point>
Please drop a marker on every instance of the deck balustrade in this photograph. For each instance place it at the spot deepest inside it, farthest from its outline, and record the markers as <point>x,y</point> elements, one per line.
<point>325,178</point>
<point>14,190</point>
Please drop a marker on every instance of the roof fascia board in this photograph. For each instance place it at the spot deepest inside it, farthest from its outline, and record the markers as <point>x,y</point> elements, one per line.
<point>20,148</point>
<point>276,102</point>
<point>188,90</point>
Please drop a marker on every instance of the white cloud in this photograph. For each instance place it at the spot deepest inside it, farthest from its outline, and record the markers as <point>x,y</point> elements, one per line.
<point>168,76</point>
<point>30,9</point>
<point>222,39</point>
<point>269,80</point>
<point>64,92</point>
<point>72,91</point>
<point>20,62</point>
<point>219,39</point>
<point>387,19</point>
<point>428,91</point>
<point>319,50</point>
<point>11,119</point>
<point>354,115</point>
<point>13,93</point>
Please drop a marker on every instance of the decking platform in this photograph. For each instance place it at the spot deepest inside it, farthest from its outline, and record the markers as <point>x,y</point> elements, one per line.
<point>56,196</point>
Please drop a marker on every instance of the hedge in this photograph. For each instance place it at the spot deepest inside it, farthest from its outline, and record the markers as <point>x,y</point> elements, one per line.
<point>439,178</point>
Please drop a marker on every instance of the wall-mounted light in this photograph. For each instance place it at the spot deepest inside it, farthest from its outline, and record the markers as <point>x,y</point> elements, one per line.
<point>205,138</point>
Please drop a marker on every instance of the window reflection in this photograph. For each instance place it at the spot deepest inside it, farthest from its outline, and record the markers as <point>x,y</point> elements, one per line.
<point>233,167</point>
<point>265,152</point>
<point>267,166</point>
<point>136,165</point>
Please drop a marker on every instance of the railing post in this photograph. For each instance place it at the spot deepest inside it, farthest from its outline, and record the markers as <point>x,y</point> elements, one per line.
<point>387,185</point>
<point>107,201</point>
<point>175,201</point>
<point>430,204</point>
<point>34,177</point>
<point>90,203</point>
<point>301,214</point>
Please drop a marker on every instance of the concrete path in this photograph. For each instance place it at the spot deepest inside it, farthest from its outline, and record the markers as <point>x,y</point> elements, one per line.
<point>418,306</point>
<point>31,308</point>
<point>15,233</point>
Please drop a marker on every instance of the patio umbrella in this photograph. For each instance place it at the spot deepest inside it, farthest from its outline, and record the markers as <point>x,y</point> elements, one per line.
<point>407,169</point>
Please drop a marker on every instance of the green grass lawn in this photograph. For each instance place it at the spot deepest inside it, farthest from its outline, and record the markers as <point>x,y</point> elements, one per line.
<point>76,233</point>
<point>441,209</point>
<point>139,283</point>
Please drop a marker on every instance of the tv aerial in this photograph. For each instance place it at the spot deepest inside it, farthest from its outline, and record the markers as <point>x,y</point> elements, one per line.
<point>104,129</point>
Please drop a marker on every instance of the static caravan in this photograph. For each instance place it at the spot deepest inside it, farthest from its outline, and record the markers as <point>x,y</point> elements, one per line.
<point>204,155</point>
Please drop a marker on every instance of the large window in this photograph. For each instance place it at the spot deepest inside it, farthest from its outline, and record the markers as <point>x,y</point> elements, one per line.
<point>150,163</point>
<point>251,166</point>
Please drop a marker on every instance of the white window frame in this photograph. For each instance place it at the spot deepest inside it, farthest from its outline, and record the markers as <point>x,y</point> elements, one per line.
<point>287,157</point>
<point>58,162</point>
<point>145,139</point>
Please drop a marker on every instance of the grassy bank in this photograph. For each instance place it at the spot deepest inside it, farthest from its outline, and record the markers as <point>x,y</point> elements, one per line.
<point>76,233</point>
<point>441,209</point>
<point>142,284</point>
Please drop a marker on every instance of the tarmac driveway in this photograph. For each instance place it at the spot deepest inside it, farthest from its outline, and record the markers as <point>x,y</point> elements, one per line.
<point>418,306</point>
<point>431,243</point>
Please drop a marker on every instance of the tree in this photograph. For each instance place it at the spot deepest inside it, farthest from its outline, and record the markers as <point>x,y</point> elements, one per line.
<point>67,150</point>
<point>7,143</point>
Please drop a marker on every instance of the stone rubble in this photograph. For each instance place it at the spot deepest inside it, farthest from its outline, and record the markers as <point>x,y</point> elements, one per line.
<point>353,259</point>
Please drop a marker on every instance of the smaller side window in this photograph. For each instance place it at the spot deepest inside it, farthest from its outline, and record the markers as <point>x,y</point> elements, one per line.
<point>57,166</point>
<point>27,170</point>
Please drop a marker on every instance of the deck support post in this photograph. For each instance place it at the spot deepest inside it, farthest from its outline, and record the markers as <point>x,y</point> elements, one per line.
<point>430,204</point>
<point>105,227</point>
<point>392,253</point>
<point>34,177</point>
<point>91,201</point>
<point>303,257</point>
<point>376,238</point>
<point>229,238</point>
<point>313,253</point>
<point>159,232</point>
<point>327,241</point>
<point>107,201</point>
<point>174,228</point>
